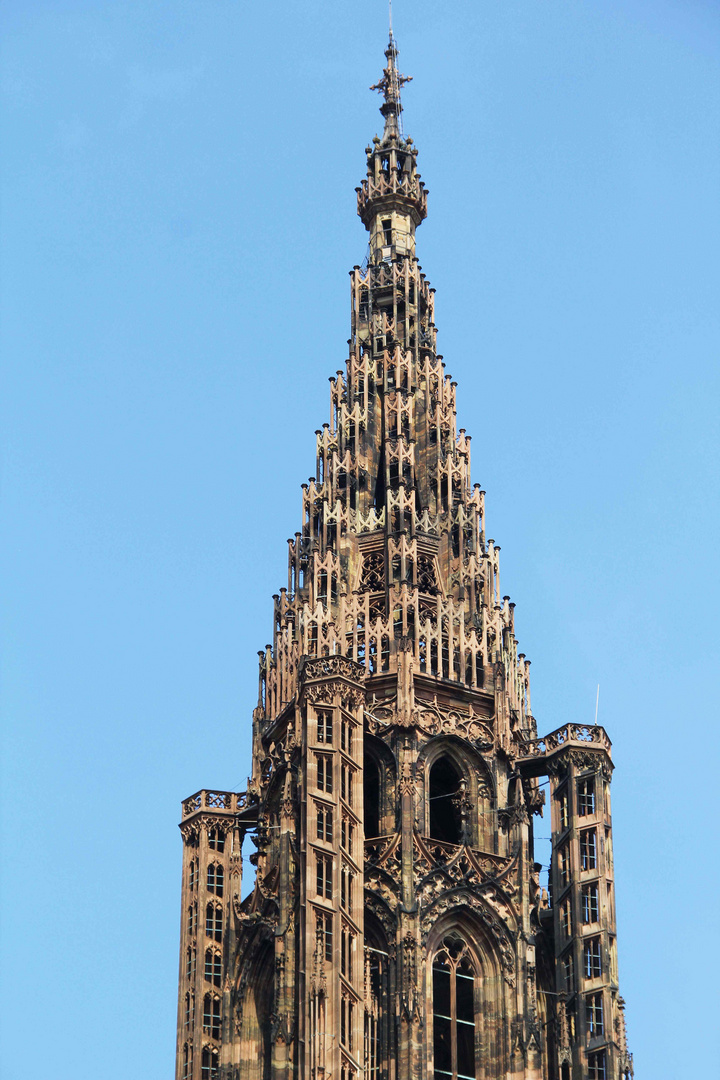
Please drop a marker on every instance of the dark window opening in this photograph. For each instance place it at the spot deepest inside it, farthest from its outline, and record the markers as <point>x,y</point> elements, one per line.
<point>324,823</point>
<point>324,876</point>
<point>371,797</point>
<point>216,840</point>
<point>213,967</point>
<point>213,922</point>
<point>597,1066</point>
<point>215,879</point>
<point>453,1016</point>
<point>594,1015</point>
<point>325,726</point>
<point>444,784</point>
<point>211,1016</point>
<point>387,232</point>
<point>590,906</point>
<point>592,959</point>
<point>586,797</point>
<point>588,849</point>
<point>210,1064</point>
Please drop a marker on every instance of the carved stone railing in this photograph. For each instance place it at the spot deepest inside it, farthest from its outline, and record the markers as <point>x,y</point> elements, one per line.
<point>569,734</point>
<point>410,188</point>
<point>229,801</point>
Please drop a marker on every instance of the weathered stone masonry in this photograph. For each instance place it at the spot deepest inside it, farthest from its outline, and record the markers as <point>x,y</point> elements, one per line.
<point>397,928</point>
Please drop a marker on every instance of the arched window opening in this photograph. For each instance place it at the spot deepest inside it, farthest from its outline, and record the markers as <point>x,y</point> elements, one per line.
<point>371,796</point>
<point>213,967</point>
<point>444,784</point>
<point>378,1021</point>
<point>210,1064</point>
<point>453,980</point>
<point>215,879</point>
<point>211,1016</point>
<point>213,922</point>
<point>216,839</point>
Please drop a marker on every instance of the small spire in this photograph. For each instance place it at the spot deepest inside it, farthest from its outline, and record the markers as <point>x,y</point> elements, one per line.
<point>389,87</point>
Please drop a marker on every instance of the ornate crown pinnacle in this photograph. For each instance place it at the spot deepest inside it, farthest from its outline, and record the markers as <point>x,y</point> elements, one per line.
<point>389,86</point>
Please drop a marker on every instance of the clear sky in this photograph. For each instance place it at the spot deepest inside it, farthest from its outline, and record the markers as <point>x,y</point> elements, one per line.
<point>178,220</point>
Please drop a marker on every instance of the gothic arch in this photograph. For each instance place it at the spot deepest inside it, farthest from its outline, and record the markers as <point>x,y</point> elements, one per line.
<point>255,1003</point>
<point>461,930</point>
<point>380,779</point>
<point>474,806</point>
<point>380,982</point>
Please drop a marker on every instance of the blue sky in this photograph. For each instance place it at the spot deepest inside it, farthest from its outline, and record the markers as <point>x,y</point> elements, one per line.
<point>178,221</point>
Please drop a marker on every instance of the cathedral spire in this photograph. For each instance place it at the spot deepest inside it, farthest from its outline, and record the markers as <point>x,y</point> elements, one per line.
<point>396,927</point>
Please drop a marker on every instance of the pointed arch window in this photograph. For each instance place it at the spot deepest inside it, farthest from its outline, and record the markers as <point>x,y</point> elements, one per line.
<point>211,1016</point>
<point>213,967</point>
<point>453,980</point>
<point>210,1069</point>
<point>215,879</point>
<point>444,784</point>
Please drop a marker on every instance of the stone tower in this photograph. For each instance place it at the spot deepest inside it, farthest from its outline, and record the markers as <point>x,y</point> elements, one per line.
<point>397,928</point>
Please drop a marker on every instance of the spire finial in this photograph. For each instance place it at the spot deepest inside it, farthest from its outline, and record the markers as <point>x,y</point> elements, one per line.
<point>389,87</point>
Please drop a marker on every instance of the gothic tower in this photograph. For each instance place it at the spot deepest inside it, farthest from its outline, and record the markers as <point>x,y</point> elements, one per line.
<point>397,928</point>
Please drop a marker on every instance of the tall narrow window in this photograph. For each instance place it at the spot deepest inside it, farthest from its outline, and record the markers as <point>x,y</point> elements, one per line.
<point>566,918</point>
<point>325,934</point>
<point>190,964</point>
<point>187,1061</point>
<point>564,866</point>
<point>213,967</point>
<point>594,1015</point>
<point>444,784</point>
<point>347,940</point>
<point>215,879</point>
<point>213,922</point>
<point>325,726</point>
<point>568,972</point>
<point>597,1069</point>
<point>592,958</point>
<point>211,1016</point>
<point>216,839</point>
<point>371,797</point>
<point>453,1013</point>
<point>210,1064</point>
<point>324,823</point>
<point>563,808</point>
<point>346,889</point>
<point>586,797</point>
<point>324,773</point>
<point>590,906</point>
<point>324,876</point>
<point>588,849</point>
<point>191,877</point>
<point>346,834</point>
